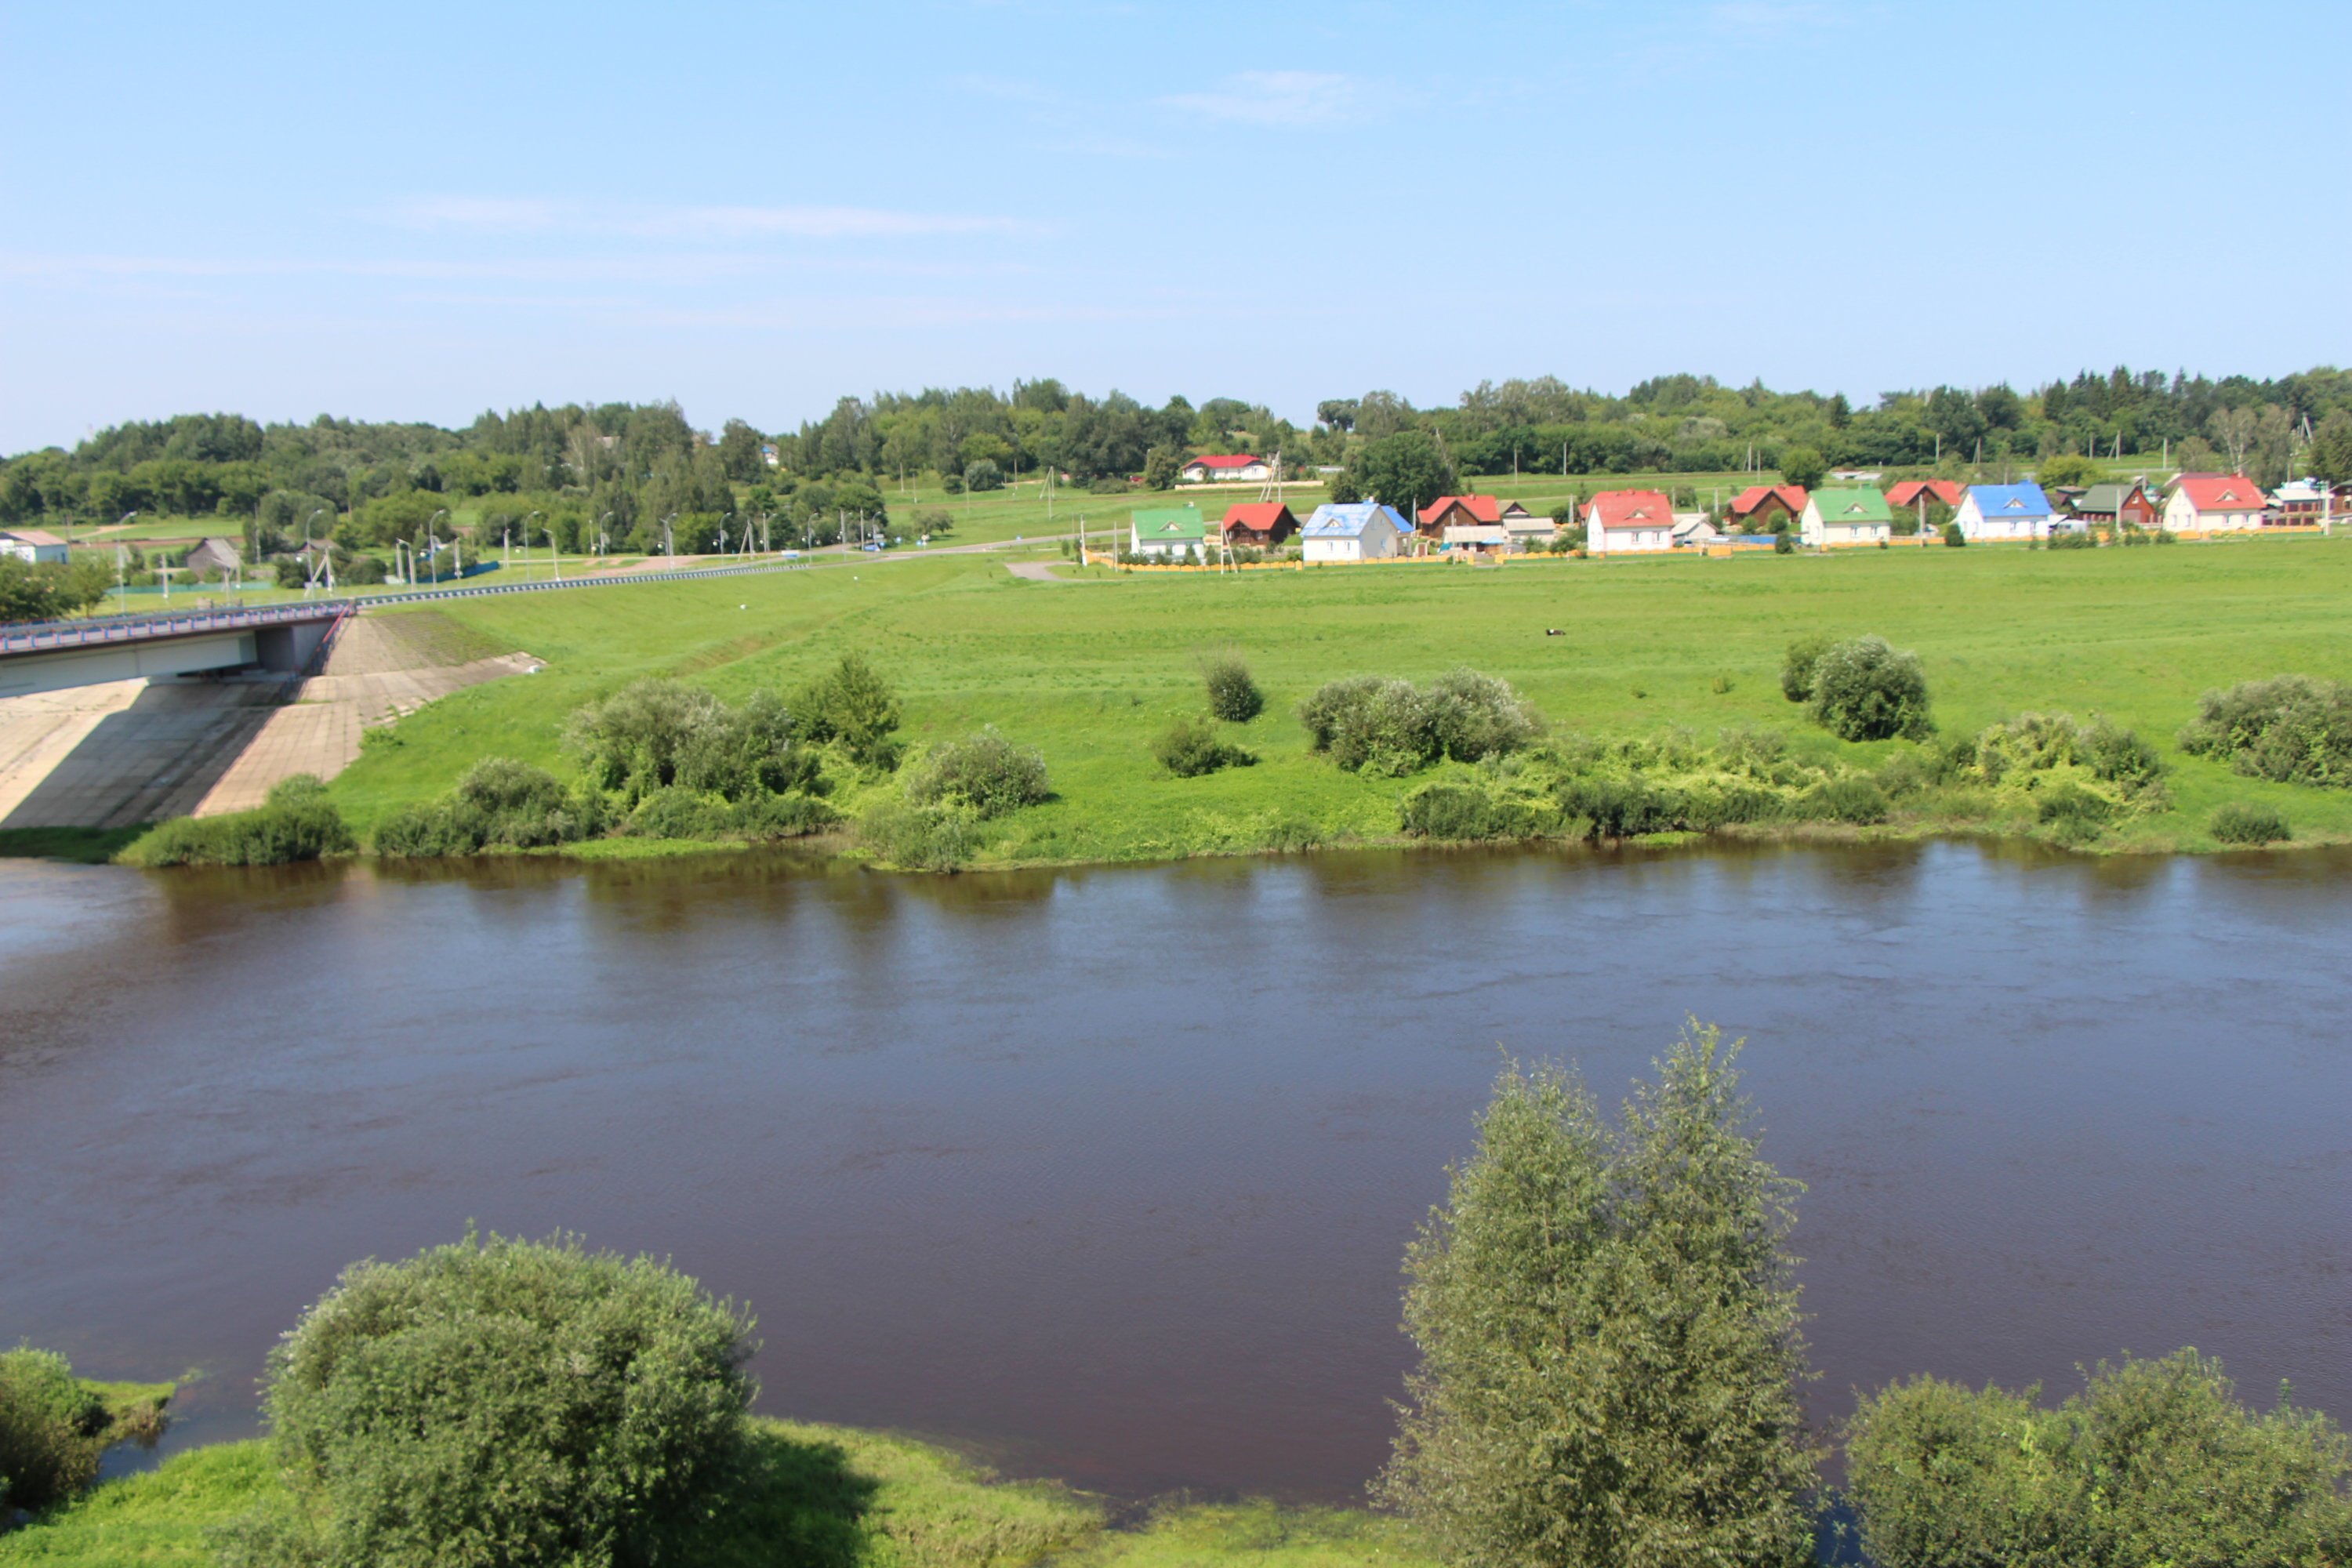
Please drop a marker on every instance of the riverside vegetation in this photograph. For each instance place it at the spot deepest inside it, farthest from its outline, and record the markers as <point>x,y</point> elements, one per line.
<point>1673,676</point>
<point>1610,1353</point>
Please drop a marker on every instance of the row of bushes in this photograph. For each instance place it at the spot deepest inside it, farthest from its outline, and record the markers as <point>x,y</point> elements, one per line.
<point>1390,727</point>
<point>2291,729</point>
<point>297,822</point>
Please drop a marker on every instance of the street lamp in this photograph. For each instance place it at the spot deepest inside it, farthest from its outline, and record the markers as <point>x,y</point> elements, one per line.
<point>526,536</point>
<point>670,540</point>
<point>603,544</point>
<point>432,550</point>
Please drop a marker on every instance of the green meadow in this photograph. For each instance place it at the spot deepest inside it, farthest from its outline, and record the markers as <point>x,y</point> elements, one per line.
<point>1091,667</point>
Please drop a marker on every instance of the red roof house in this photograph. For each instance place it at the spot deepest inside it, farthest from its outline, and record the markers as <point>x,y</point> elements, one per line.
<point>1914,493</point>
<point>1758,504</point>
<point>1213,467</point>
<point>2202,503</point>
<point>1467,512</point>
<point>1626,522</point>
<point>1259,524</point>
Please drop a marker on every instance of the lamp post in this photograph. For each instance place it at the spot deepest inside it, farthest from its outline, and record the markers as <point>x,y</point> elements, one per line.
<point>432,548</point>
<point>526,537</point>
<point>604,545</point>
<point>670,540</point>
<point>311,574</point>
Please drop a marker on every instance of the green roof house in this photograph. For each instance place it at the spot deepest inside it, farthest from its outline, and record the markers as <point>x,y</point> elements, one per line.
<point>1165,531</point>
<point>1835,519</point>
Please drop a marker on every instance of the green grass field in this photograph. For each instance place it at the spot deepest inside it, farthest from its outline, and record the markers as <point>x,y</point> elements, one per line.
<point>1090,670</point>
<point>815,1496</point>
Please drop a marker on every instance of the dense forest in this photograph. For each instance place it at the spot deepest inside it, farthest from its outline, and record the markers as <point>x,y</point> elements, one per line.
<point>613,476</point>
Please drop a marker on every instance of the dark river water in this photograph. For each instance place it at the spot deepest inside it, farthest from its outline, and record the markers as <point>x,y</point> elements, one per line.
<point>1106,1175</point>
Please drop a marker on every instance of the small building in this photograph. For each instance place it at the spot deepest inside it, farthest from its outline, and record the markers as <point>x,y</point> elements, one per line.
<point>1840,518</point>
<point>1257,525</point>
<point>1529,529</point>
<point>33,544</point>
<point>1452,511</point>
<point>1629,522</point>
<point>1475,539</point>
<point>1756,507</point>
<point>1352,531</point>
<point>1167,532</point>
<point>2214,503</point>
<point>211,556</point>
<point>1239,469</point>
<point>1915,496</point>
<point>2004,512</point>
<point>1692,529</point>
<point>2305,503</point>
<point>2109,505</point>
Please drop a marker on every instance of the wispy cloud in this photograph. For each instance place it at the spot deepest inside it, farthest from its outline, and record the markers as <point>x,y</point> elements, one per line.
<point>1275,98</point>
<point>534,214</point>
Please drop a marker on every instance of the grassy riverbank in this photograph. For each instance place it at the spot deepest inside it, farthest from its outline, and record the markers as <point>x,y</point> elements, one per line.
<point>1090,670</point>
<point>815,1497</point>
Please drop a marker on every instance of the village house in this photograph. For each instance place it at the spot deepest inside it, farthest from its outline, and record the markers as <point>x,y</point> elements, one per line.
<point>2214,503</point>
<point>1529,529</point>
<point>1257,525</point>
<point>1475,539</point>
<point>1692,528</point>
<point>1456,511</point>
<point>1352,531</point>
<point>33,544</point>
<point>1838,518</point>
<point>1755,507</point>
<point>1623,523</point>
<point>2111,504</point>
<point>215,557</point>
<point>2305,503</point>
<point>1166,531</point>
<point>2004,512</point>
<point>1915,496</point>
<point>1239,469</point>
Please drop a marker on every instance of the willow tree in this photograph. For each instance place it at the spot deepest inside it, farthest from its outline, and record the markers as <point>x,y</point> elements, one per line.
<point>1608,1329</point>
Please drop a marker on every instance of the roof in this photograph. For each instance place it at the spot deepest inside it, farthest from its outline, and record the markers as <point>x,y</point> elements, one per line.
<point>31,536</point>
<point>1482,509</point>
<point>2309,490</point>
<point>1257,516</point>
<point>1853,506</point>
<point>1908,491</point>
<point>1519,520</point>
<point>1629,509</point>
<point>1175,523</point>
<point>1212,460</point>
<point>2222,492</point>
<point>1755,496</point>
<point>2106,498</point>
<point>1347,519</point>
<point>2011,500</point>
<point>1478,533</point>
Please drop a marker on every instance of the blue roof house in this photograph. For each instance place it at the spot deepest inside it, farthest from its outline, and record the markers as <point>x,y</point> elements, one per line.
<point>2006,511</point>
<point>1352,531</point>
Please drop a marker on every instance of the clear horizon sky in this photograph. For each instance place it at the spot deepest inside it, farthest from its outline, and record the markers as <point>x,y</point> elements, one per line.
<point>424,211</point>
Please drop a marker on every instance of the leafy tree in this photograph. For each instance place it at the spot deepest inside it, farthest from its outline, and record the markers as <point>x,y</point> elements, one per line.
<point>52,1430</point>
<point>1802,467</point>
<point>1163,467</point>
<point>935,520</point>
<point>1233,695</point>
<point>1797,667</point>
<point>500,1401</point>
<point>2068,469</point>
<point>983,474</point>
<point>1865,691</point>
<point>50,590</point>
<point>637,739</point>
<point>2152,1462</point>
<point>1608,1331</point>
<point>739,452</point>
<point>2330,452</point>
<point>1406,470</point>
<point>853,704</point>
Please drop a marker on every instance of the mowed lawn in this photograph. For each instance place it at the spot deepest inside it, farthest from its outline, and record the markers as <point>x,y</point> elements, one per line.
<point>1090,670</point>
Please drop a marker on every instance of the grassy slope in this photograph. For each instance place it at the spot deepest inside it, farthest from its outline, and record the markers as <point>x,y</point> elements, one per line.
<point>1090,670</point>
<point>818,1496</point>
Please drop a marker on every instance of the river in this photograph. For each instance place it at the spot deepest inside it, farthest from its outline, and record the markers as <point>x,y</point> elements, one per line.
<point>1105,1173</point>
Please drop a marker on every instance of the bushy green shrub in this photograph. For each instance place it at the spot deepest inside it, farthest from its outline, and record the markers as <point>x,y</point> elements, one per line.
<point>2074,815</point>
<point>500,801</point>
<point>1189,748</point>
<point>634,740</point>
<point>1621,808</point>
<point>2290,728</point>
<point>52,1430</point>
<point>500,1401</point>
<point>2240,823</point>
<point>1233,697</point>
<point>1856,801</point>
<point>297,822</point>
<point>913,838</point>
<point>2153,1462</point>
<point>1388,728</point>
<point>1864,690</point>
<point>2029,750</point>
<point>985,772</point>
<point>681,812</point>
<point>746,751</point>
<point>1464,813</point>
<point>2073,539</point>
<point>853,705</point>
<point>1953,537</point>
<point>1797,667</point>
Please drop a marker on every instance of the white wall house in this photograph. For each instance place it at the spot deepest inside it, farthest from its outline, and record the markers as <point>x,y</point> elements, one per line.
<point>32,544</point>
<point>2214,503</point>
<point>1167,533</point>
<point>1354,531</point>
<point>2004,512</point>
<point>1841,519</point>
<point>1239,469</point>
<point>1629,522</point>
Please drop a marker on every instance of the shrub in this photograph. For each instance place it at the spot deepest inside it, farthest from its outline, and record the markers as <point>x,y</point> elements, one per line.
<point>1620,808</point>
<point>500,801</point>
<point>985,772</point>
<point>2154,1461</point>
<point>2074,813</point>
<point>2238,823</point>
<point>297,823</point>
<point>1389,728</point>
<point>917,837</point>
<point>1953,537</point>
<point>853,705</point>
<point>503,1401</point>
<point>2292,729</point>
<point>52,1430</point>
<point>789,815</point>
<point>1858,801</point>
<point>680,813</point>
<point>1233,697</point>
<point>746,751</point>
<point>1797,667</point>
<point>634,740</point>
<point>1865,691</point>
<point>1189,748</point>
<point>1465,813</point>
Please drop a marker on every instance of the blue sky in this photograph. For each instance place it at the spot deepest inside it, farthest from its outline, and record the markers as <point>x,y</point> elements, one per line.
<point>421,211</point>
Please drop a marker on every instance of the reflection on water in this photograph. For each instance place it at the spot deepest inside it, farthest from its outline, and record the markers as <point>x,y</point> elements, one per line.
<point>1107,1172</point>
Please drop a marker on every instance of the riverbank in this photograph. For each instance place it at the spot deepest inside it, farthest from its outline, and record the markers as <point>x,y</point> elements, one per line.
<point>812,1496</point>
